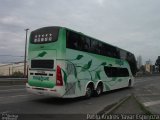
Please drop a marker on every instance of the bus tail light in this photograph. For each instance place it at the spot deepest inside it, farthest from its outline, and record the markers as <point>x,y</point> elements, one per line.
<point>59,81</point>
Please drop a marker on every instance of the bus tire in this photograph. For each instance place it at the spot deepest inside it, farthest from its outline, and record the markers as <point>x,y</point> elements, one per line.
<point>89,91</point>
<point>130,83</point>
<point>99,90</point>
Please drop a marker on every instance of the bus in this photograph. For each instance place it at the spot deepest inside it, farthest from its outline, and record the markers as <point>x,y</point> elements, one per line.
<point>64,63</point>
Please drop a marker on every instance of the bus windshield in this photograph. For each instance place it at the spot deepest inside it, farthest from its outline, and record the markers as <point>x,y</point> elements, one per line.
<point>44,35</point>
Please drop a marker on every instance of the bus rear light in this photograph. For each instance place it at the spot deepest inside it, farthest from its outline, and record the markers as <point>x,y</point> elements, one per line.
<point>59,81</point>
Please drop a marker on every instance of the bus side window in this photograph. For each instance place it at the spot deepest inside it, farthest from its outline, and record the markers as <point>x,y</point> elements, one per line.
<point>68,41</point>
<point>94,46</point>
<point>116,71</point>
<point>85,44</point>
<point>73,40</point>
<point>132,62</point>
<point>118,53</point>
<point>123,54</point>
<point>103,50</point>
<point>78,41</point>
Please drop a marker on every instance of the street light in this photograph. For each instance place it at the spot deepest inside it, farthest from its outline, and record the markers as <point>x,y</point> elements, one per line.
<point>25,53</point>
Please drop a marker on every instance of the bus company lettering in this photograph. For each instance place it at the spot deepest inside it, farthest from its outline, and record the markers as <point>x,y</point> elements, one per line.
<point>41,78</point>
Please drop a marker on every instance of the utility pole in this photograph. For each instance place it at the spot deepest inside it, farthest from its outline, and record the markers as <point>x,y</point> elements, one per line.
<point>25,54</point>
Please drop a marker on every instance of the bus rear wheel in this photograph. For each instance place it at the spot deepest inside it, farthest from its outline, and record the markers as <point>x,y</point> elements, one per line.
<point>99,90</point>
<point>89,91</point>
<point>129,84</point>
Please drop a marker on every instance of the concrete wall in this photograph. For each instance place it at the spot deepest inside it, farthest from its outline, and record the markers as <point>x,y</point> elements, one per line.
<point>9,69</point>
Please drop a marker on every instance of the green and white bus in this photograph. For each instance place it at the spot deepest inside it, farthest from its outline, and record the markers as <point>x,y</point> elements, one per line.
<point>66,64</point>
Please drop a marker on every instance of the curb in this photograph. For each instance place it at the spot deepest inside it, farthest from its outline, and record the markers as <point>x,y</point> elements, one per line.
<point>112,107</point>
<point>118,104</point>
<point>142,106</point>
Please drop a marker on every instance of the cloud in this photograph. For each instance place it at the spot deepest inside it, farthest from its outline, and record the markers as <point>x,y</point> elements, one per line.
<point>11,20</point>
<point>130,24</point>
<point>100,2</point>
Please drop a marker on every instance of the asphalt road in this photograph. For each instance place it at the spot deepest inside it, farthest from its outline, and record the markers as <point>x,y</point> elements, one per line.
<point>147,91</point>
<point>14,99</point>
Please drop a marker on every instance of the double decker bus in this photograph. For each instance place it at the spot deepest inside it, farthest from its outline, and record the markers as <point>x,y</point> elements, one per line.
<point>66,64</point>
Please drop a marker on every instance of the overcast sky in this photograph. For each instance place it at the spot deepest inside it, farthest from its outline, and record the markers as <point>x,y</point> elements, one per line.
<point>133,25</point>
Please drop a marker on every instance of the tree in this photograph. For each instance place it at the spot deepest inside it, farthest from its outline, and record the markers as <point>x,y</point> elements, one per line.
<point>17,74</point>
<point>142,69</point>
<point>158,63</point>
<point>153,68</point>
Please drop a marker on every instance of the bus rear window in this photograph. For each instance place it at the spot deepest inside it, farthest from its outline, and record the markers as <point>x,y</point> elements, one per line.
<point>45,64</point>
<point>44,35</point>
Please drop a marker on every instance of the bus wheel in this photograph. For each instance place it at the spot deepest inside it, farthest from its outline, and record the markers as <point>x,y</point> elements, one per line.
<point>99,90</point>
<point>129,84</point>
<point>89,91</point>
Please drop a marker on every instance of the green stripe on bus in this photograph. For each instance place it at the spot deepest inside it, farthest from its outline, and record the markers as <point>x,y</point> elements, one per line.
<point>47,84</point>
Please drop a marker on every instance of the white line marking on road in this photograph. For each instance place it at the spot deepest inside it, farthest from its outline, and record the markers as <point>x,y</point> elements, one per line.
<point>151,103</point>
<point>10,90</point>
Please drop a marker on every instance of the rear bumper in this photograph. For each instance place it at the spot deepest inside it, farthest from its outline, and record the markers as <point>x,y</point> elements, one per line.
<point>57,91</point>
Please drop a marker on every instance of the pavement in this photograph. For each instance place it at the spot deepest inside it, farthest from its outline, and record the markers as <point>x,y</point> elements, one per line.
<point>129,106</point>
<point>142,104</point>
<point>148,93</point>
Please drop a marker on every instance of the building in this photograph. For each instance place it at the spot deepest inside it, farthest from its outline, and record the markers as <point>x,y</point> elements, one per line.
<point>9,69</point>
<point>139,62</point>
<point>148,67</point>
